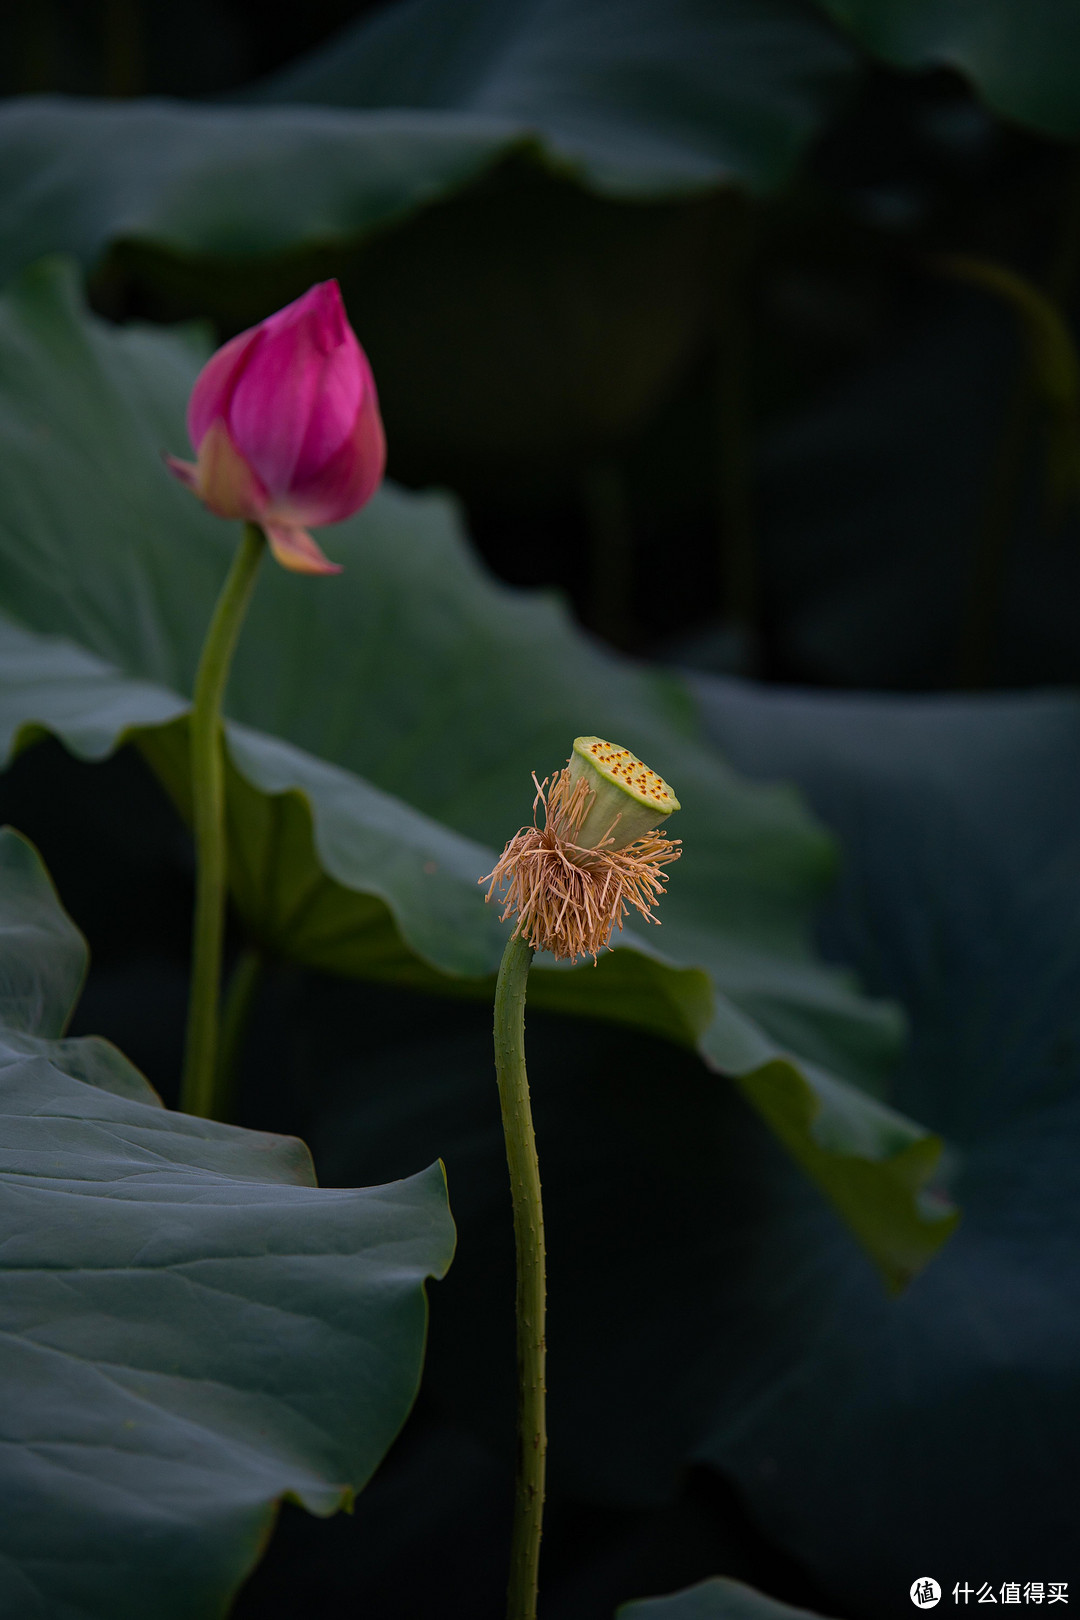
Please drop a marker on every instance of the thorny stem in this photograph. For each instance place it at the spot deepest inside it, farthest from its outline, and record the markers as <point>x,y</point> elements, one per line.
<point>199,1086</point>
<point>529,1243</point>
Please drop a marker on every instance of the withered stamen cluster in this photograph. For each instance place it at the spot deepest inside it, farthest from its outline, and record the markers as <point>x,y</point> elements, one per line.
<point>568,899</point>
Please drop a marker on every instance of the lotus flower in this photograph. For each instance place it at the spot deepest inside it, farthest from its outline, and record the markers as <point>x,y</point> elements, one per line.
<point>285,424</point>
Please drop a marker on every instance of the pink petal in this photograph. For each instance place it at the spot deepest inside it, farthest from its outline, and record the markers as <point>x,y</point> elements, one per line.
<point>320,309</point>
<point>299,392</point>
<point>295,549</point>
<point>347,481</point>
<point>214,384</point>
<point>186,471</point>
<point>343,386</point>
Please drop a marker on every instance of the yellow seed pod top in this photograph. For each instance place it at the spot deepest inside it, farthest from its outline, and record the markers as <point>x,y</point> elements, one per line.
<point>630,798</point>
<point>625,770</point>
<point>597,856</point>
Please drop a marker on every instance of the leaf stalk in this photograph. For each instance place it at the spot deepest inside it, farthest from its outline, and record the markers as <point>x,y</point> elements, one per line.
<point>199,1087</point>
<point>236,1007</point>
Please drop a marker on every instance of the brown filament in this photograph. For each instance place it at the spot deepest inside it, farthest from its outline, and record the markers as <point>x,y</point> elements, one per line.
<point>568,899</point>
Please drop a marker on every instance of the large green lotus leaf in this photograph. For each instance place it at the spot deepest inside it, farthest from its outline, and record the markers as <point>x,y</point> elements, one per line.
<point>643,94</point>
<point>1023,59</point>
<point>386,726</point>
<point>679,97</point>
<point>232,182</point>
<point>717,1599</point>
<point>190,1330</point>
<point>558,164</point>
<point>936,1433</point>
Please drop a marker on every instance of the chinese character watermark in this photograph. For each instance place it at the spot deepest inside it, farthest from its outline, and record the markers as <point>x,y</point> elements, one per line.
<point>1008,1592</point>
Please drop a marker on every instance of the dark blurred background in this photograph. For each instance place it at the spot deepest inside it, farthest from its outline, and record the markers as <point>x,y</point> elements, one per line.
<point>831,464</point>
<point>193,48</point>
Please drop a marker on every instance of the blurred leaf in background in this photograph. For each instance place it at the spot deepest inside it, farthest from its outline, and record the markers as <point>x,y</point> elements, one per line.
<point>874,499</point>
<point>656,243</point>
<point>713,1600</point>
<point>1025,60</point>
<point>949,1416</point>
<point>529,250</point>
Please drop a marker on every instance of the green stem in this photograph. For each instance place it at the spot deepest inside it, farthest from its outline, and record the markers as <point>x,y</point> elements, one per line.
<point>236,1010</point>
<point>529,1244</point>
<point>197,1092</point>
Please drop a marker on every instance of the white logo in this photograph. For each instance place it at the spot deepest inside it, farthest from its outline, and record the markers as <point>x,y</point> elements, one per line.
<point>925,1592</point>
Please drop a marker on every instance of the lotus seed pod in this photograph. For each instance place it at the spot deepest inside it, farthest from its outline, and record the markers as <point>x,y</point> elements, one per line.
<point>597,856</point>
<point>629,799</point>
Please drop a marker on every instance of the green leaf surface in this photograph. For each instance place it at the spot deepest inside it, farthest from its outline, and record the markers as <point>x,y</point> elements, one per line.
<point>678,98</point>
<point>385,727</point>
<point>716,1599</point>
<point>641,94</point>
<point>936,1429</point>
<point>1024,60</point>
<point>190,1330</point>
<point>42,954</point>
<point>79,175</point>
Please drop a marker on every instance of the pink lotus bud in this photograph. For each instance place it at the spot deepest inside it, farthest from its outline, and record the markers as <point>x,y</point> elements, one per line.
<point>285,424</point>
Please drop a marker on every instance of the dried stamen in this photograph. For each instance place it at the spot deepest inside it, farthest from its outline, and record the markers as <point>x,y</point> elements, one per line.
<point>568,898</point>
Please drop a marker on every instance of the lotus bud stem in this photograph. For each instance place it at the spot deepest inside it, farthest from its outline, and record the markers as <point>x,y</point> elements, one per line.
<point>285,424</point>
